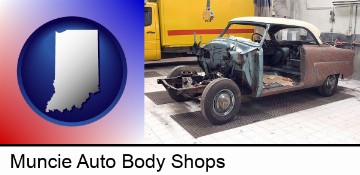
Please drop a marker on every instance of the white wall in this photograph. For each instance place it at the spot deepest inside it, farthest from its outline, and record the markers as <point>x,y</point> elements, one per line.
<point>319,16</point>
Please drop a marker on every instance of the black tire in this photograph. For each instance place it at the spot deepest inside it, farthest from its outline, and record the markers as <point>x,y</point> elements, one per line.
<point>176,71</point>
<point>328,88</point>
<point>210,105</point>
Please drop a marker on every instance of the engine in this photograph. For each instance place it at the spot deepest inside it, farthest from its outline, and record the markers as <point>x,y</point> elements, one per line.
<point>221,58</point>
<point>234,58</point>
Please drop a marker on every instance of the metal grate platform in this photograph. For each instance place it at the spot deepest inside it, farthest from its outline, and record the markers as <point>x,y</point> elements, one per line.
<point>150,74</point>
<point>160,97</point>
<point>257,110</point>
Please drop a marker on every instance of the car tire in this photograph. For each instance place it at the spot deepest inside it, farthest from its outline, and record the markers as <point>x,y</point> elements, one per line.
<point>328,88</point>
<point>177,71</point>
<point>220,101</point>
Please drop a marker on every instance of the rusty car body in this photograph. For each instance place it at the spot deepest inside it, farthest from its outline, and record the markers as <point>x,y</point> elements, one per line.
<point>288,55</point>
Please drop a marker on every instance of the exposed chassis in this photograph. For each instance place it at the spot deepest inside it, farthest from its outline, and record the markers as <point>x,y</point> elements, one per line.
<point>170,85</point>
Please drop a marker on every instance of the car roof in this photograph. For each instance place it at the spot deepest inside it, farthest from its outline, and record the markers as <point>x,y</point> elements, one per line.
<point>280,21</point>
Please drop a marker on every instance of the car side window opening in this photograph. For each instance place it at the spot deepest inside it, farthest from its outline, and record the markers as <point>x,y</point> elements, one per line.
<point>148,16</point>
<point>294,34</point>
<point>282,56</point>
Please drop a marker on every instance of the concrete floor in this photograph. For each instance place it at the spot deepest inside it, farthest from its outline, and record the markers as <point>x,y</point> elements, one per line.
<point>336,123</point>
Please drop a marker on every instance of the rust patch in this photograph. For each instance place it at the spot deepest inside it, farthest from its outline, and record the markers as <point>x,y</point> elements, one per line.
<point>321,61</point>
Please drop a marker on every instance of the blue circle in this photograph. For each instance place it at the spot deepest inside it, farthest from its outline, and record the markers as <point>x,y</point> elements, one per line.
<point>36,72</point>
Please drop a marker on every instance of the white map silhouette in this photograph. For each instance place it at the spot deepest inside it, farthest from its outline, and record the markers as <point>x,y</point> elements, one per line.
<point>76,69</point>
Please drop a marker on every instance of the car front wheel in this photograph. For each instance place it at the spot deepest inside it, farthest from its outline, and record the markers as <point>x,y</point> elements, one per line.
<point>220,101</point>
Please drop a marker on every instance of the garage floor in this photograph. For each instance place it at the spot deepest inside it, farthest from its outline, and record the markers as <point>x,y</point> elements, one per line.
<point>295,117</point>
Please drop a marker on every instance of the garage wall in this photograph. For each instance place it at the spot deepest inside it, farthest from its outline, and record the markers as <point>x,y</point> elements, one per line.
<point>317,12</point>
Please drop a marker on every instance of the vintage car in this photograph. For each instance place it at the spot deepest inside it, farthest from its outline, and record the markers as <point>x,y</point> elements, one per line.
<point>288,55</point>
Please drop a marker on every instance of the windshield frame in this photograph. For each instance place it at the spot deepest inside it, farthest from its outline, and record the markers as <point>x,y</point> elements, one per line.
<point>265,26</point>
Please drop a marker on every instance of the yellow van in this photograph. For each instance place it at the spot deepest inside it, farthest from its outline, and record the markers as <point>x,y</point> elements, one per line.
<point>170,25</point>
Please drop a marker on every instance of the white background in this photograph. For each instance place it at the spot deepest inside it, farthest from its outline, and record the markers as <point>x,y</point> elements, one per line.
<point>238,160</point>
